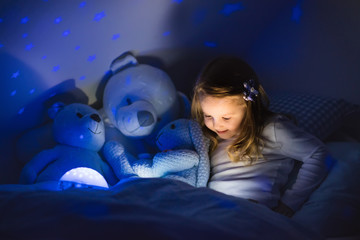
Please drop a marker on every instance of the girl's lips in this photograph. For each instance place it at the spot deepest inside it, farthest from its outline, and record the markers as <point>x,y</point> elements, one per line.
<point>221,132</point>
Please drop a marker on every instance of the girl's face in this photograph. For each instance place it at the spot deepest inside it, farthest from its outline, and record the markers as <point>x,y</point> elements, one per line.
<point>223,115</point>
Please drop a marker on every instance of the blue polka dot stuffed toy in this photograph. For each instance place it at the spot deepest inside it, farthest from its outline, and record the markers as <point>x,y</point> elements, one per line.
<point>184,155</point>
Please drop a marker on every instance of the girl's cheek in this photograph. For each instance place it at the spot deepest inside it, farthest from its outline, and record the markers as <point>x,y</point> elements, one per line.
<point>207,124</point>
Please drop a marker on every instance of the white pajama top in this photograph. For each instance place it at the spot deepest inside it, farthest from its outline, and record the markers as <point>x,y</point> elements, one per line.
<point>263,180</point>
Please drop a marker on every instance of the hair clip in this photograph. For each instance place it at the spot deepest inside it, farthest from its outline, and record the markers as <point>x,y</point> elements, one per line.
<point>250,92</point>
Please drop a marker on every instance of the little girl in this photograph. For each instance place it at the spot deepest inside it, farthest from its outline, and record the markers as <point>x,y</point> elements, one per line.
<point>253,149</point>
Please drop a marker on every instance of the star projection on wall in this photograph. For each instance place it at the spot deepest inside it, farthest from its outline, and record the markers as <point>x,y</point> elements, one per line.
<point>24,20</point>
<point>99,16</point>
<point>56,68</point>
<point>29,46</point>
<point>57,20</point>
<point>210,44</point>
<point>91,58</point>
<point>15,74</point>
<point>296,12</point>
<point>115,36</point>
<point>66,33</point>
<point>65,28</point>
<point>230,8</point>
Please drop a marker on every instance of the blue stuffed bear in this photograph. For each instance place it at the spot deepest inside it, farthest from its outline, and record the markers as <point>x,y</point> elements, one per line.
<point>79,132</point>
<point>184,155</point>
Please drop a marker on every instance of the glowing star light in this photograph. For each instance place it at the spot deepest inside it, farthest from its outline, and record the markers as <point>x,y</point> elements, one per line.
<point>66,33</point>
<point>115,36</point>
<point>167,33</point>
<point>82,4</point>
<point>57,20</point>
<point>296,13</point>
<point>56,68</point>
<point>29,47</point>
<point>210,44</point>
<point>24,20</point>
<point>15,74</point>
<point>230,8</point>
<point>99,16</point>
<point>91,58</point>
<point>83,177</point>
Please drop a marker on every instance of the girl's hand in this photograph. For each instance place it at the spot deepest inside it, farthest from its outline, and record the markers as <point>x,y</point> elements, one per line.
<point>284,209</point>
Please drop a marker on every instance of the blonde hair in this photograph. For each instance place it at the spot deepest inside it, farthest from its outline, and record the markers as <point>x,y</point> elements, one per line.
<point>225,77</point>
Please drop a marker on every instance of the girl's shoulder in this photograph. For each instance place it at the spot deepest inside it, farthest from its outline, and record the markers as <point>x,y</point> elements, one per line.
<point>278,118</point>
<point>278,124</point>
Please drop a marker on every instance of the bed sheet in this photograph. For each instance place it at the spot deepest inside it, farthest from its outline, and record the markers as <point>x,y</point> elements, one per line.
<point>158,208</point>
<point>140,208</point>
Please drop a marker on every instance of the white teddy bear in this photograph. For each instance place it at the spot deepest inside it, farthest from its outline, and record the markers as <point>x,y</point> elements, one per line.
<point>138,101</point>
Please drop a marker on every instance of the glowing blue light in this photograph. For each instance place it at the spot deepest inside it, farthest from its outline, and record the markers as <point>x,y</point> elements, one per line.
<point>99,16</point>
<point>13,93</point>
<point>57,20</point>
<point>15,74</point>
<point>24,35</point>
<point>24,20</point>
<point>77,47</point>
<point>66,33</point>
<point>81,136</point>
<point>44,57</point>
<point>82,4</point>
<point>167,33</point>
<point>83,176</point>
<point>210,44</point>
<point>56,68</point>
<point>1,45</point>
<point>177,1</point>
<point>32,91</point>
<point>91,58</point>
<point>82,77</point>
<point>1,20</point>
<point>115,36</point>
<point>29,47</point>
<point>296,13</point>
<point>21,111</point>
<point>230,8</point>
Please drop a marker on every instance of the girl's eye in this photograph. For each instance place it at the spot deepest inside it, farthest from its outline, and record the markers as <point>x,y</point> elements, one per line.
<point>226,119</point>
<point>207,116</point>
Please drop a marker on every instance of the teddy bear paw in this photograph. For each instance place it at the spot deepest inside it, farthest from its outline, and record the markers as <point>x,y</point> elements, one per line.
<point>113,147</point>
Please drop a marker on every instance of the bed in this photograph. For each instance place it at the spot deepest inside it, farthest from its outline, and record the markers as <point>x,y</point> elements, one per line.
<point>157,208</point>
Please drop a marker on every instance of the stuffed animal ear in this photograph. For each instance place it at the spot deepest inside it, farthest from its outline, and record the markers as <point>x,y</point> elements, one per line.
<point>124,60</point>
<point>201,144</point>
<point>55,109</point>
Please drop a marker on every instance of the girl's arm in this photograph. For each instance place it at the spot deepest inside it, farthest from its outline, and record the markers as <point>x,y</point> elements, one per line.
<point>300,145</point>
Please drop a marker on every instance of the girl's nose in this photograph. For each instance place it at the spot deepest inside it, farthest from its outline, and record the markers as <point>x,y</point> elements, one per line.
<point>216,123</point>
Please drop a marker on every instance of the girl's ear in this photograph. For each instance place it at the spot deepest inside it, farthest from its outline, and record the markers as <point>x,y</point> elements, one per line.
<point>201,144</point>
<point>55,109</point>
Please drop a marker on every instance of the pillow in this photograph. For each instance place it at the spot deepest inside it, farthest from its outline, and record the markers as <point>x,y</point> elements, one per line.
<point>334,208</point>
<point>317,115</point>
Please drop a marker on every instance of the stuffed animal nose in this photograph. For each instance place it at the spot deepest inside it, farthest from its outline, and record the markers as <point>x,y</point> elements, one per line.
<point>95,117</point>
<point>145,118</point>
